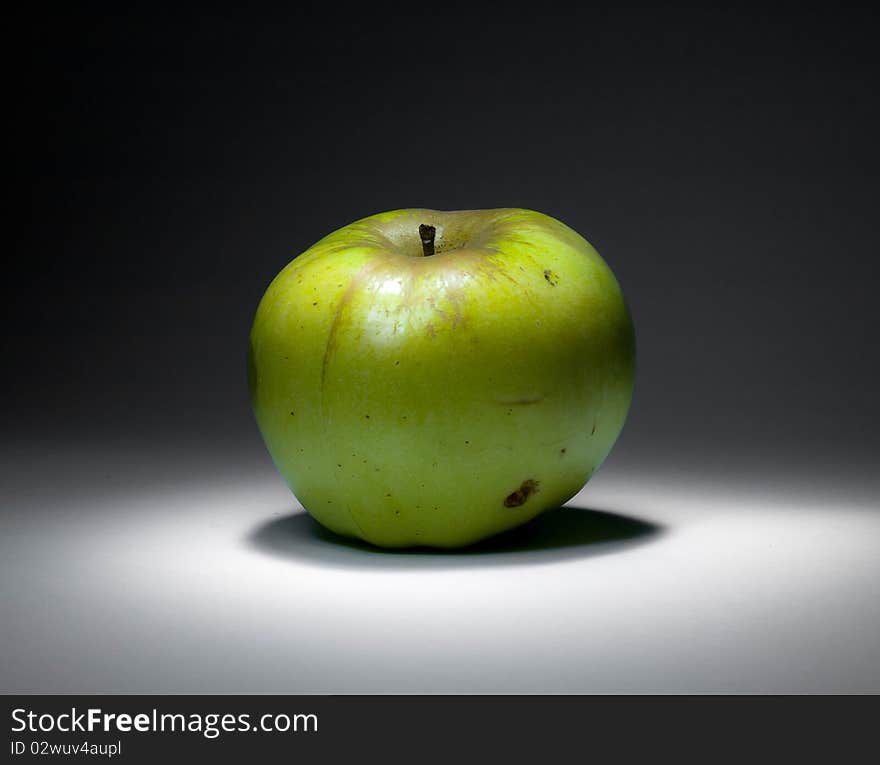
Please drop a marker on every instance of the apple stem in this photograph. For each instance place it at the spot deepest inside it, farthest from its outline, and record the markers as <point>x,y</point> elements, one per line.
<point>426,234</point>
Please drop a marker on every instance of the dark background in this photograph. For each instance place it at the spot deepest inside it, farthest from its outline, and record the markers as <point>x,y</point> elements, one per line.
<point>725,163</point>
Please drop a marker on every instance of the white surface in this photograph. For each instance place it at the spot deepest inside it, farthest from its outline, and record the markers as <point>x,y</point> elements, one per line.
<point>181,585</point>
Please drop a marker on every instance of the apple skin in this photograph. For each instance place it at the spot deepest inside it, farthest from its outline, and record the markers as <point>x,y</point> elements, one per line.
<point>411,400</point>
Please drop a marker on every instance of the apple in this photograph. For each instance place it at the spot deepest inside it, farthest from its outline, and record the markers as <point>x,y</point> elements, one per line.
<point>425,377</point>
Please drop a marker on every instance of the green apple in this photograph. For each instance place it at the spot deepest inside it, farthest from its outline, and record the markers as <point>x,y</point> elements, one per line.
<point>423,377</point>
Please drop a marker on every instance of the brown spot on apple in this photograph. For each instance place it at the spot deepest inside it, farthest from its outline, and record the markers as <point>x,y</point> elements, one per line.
<point>519,497</point>
<point>525,400</point>
<point>551,277</point>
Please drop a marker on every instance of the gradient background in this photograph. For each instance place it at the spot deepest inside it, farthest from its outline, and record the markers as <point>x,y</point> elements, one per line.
<point>725,164</point>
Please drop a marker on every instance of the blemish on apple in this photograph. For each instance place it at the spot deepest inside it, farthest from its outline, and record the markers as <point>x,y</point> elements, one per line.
<point>519,497</point>
<point>534,398</point>
<point>551,277</point>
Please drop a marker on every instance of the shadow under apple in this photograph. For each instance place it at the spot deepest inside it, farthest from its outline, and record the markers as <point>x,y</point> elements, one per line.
<point>559,534</point>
